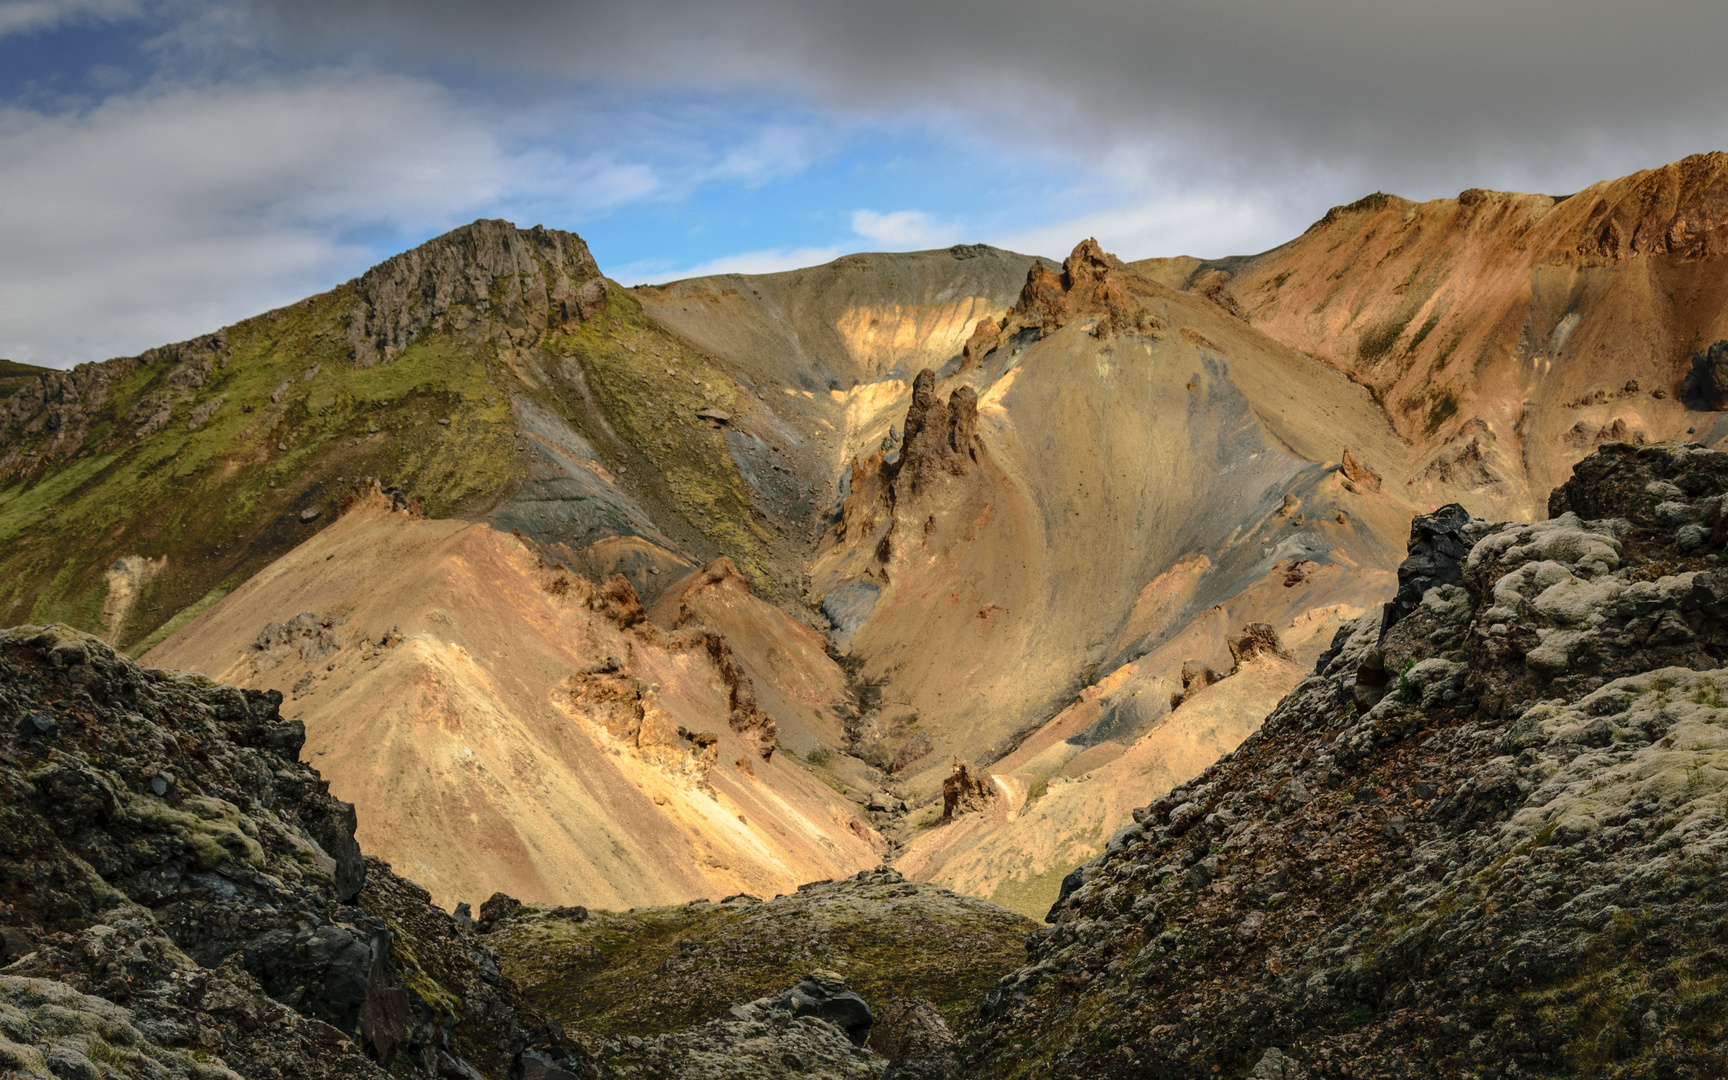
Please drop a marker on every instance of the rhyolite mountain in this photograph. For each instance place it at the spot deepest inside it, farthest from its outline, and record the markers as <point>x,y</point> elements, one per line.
<point>948,559</point>
<point>1483,836</point>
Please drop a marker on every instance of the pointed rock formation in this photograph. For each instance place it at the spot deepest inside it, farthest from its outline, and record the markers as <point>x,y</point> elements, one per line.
<point>938,439</point>
<point>1361,477</point>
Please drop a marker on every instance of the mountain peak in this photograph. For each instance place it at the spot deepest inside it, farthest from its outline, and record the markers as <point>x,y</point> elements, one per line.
<point>511,281</point>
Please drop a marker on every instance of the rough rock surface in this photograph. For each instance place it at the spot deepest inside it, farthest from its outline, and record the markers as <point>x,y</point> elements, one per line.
<point>192,900</point>
<point>965,791</point>
<point>1707,383</point>
<point>1510,864</point>
<point>654,970</point>
<point>520,279</point>
<point>938,439</point>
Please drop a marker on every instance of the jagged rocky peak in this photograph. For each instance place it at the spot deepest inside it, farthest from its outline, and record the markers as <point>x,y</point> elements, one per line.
<point>1678,209</point>
<point>1502,856</point>
<point>1093,283</point>
<point>939,438</point>
<point>486,276</point>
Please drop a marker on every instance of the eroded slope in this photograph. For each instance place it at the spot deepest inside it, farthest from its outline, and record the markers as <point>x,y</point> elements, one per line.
<point>504,724</point>
<point>1508,334</point>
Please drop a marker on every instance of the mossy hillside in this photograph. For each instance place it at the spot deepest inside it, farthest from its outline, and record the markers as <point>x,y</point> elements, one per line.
<point>650,385</point>
<point>661,969</point>
<point>223,500</point>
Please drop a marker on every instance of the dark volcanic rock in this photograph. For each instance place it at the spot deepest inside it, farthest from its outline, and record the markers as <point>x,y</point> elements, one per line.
<point>917,1042</point>
<point>169,869</point>
<point>1512,863</point>
<point>1706,384</point>
<point>822,994</point>
<point>1438,544</point>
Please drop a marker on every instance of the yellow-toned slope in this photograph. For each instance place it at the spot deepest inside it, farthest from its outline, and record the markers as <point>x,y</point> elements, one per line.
<point>504,726</point>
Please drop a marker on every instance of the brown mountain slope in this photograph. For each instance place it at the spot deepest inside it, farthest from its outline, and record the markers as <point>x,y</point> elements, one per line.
<point>1508,335</point>
<point>501,724</point>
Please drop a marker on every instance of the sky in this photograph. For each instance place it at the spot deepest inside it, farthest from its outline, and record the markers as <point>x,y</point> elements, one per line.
<point>168,167</point>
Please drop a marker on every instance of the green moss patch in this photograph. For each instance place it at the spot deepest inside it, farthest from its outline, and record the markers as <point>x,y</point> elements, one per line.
<point>662,969</point>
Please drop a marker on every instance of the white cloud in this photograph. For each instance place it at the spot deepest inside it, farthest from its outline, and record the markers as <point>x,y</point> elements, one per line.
<point>904,229</point>
<point>28,16</point>
<point>767,261</point>
<point>1164,223</point>
<point>164,214</point>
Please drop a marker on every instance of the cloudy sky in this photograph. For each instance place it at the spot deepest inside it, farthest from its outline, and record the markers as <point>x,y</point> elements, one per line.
<point>170,166</point>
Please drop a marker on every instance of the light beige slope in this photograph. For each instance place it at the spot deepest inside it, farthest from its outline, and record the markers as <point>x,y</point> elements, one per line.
<point>524,734</point>
<point>794,679</point>
<point>1005,582</point>
<point>856,319</point>
<point>1508,334</point>
<point>1016,852</point>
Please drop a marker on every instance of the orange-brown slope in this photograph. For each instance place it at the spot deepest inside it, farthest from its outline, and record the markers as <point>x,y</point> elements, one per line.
<point>1508,334</point>
<point>502,725</point>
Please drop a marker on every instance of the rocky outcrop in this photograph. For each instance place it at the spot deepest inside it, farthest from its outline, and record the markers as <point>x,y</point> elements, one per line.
<point>1093,285</point>
<point>1706,384</point>
<point>1507,863</point>
<point>939,440</point>
<point>1359,476</point>
<point>1439,543</point>
<point>1257,639</point>
<point>162,849</point>
<point>1679,209</point>
<point>916,1040</point>
<point>813,1029</point>
<point>623,974</point>
<point>985,337</point>
<point>486,278</point>
<point>966,791</point>
<point>744,715</point>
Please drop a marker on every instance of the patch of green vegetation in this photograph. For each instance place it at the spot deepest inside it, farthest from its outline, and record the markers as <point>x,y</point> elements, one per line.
<point>295,423</point>
<point>1376,341</point>
<point>651,386</point>
<point>661,969</point>
<point>1032,894</point>
<point>15,376</point>
<point>1406,690</point>
<point>1444,406</point>
<point>181,618</point>
<point>1422,333</point>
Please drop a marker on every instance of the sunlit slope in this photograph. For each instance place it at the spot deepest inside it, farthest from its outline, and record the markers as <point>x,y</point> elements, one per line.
<point>857,319</point>
<point>1507,334</point>
<point>503,725</point>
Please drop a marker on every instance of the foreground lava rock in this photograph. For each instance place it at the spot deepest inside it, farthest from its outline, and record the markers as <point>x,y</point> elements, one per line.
<point>1500,856</point>
<point>182,897</point>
